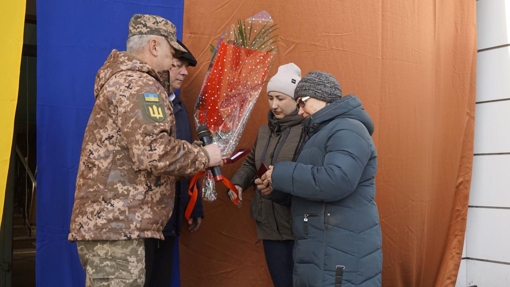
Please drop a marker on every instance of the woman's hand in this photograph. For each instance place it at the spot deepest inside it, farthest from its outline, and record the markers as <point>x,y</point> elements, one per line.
<point>264,183</point>
<point>232,195</point>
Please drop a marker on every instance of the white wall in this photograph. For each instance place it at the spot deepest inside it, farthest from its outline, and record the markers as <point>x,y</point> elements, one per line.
<point>486,255</point>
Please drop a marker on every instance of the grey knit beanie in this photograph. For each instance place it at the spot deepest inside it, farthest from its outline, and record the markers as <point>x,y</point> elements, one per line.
<point>285,80</point>
<point>319,85</point>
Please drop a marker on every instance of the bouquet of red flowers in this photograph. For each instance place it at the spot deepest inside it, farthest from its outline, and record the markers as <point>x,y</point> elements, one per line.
<point>241,62</point>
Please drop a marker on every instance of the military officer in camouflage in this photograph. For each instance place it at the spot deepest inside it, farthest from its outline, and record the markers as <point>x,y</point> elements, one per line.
<point>130,158</point>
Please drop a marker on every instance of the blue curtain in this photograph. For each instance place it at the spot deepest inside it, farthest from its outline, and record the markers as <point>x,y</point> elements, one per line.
<point>73,40</point>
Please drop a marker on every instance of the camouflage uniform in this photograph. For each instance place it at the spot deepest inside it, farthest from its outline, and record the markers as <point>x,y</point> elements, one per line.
<point>113,263</point>
<point>130,157</point>
<point>129,161</point>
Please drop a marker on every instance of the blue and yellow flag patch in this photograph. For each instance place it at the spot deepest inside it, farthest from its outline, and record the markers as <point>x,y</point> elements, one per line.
<point>153,109</point>
<point>151,97</point>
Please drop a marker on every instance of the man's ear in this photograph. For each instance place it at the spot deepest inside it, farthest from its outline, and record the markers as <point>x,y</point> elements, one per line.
<point>153,47</point>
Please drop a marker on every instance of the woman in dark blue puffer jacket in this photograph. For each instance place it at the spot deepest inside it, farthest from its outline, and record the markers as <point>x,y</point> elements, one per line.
<point>334,215</point>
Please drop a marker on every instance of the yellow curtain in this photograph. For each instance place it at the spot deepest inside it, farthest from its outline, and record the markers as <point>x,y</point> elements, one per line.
<point>12,19</point>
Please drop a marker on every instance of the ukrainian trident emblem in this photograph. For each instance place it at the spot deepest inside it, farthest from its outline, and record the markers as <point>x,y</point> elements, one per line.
<point>155,111</point>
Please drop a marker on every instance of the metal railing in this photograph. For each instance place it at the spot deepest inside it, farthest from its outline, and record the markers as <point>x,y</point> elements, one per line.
<point>31,176</point>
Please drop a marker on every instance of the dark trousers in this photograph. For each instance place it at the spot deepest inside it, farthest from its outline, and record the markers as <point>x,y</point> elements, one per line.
<point>279,261</point>
<point>159,259</point>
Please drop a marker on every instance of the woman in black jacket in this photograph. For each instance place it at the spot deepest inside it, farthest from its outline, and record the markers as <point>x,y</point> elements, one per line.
<point>278,140</point>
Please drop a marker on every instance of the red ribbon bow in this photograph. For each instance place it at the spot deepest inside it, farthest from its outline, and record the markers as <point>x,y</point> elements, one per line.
<point>193,193</point>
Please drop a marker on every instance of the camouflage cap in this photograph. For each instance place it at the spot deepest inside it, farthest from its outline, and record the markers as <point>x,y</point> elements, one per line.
<point>144,24</point>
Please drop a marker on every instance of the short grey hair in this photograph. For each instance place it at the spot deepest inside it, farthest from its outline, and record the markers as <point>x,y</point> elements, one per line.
<point>137,43</point>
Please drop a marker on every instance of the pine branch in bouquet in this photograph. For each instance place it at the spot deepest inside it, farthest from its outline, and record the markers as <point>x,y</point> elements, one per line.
<point>261,40</point>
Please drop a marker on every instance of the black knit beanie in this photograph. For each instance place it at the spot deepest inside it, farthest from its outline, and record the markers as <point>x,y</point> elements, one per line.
<point>319,85</point>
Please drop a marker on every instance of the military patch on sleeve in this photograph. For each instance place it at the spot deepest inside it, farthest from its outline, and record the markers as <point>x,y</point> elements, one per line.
<point>151,97</point>
<point>153,110</point>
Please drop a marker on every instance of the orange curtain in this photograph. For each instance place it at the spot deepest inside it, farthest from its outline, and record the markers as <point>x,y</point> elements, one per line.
<point>412,63</point>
